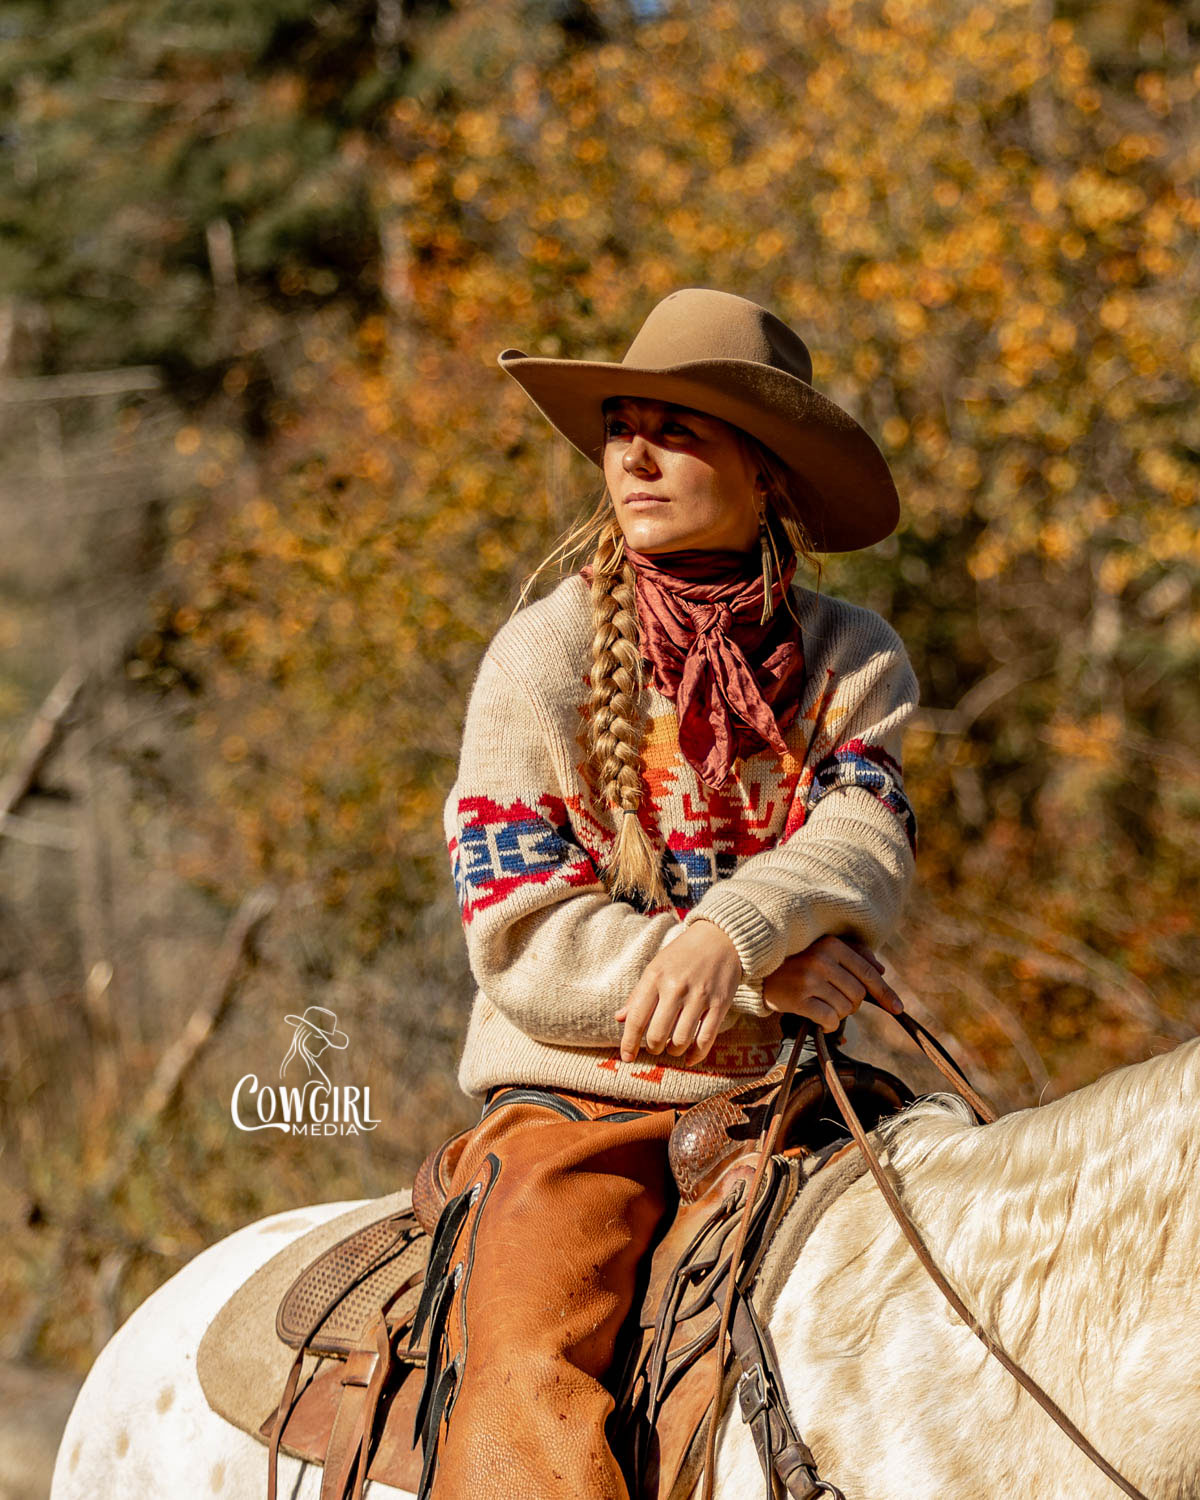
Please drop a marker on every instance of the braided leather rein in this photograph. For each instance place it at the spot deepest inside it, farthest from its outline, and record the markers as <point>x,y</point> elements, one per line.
<point>945,1064</point>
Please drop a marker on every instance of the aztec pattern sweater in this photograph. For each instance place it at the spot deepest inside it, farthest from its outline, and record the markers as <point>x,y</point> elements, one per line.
<point>820,840</point>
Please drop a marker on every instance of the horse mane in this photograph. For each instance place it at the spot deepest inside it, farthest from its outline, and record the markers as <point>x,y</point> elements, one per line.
<point>1075,1209</point>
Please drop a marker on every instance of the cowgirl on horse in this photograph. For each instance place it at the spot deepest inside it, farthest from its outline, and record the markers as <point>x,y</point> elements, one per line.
<point>679,814</point>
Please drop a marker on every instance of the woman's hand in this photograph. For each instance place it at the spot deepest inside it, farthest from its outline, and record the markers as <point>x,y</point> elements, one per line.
<point>829,980</point>
<point>683,995</point>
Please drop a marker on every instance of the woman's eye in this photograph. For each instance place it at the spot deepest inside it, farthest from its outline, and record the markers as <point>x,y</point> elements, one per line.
<point>618,428</point>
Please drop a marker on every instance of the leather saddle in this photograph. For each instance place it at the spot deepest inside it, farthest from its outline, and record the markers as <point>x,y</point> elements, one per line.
<point>357,1305</point>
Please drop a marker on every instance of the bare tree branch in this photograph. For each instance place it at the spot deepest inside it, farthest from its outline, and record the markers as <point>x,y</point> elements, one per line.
<point>84,383</point>
<point>40,740</point>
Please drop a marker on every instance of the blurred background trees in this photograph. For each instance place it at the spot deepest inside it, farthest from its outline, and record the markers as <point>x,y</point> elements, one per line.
<point>267,495</point>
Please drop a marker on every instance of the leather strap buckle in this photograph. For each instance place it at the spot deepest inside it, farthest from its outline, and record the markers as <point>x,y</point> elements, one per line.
<point>752,1393</point>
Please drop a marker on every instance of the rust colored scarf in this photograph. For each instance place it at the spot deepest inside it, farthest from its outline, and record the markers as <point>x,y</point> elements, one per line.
<point>735,683</point>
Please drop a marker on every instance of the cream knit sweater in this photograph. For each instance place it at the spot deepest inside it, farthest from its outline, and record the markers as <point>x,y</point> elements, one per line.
<point>818,841</point>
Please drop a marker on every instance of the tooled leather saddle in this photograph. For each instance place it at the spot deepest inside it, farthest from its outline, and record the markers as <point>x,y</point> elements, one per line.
<point>371,1305</point>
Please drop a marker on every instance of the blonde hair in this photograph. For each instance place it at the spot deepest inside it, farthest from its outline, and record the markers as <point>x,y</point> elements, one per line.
<point>614,741</point>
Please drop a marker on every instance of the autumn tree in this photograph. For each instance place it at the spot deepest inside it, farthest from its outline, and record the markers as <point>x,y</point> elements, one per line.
<point>986,251</point>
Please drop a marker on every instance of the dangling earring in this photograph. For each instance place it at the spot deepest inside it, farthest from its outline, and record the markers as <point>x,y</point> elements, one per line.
<point>768,573</point>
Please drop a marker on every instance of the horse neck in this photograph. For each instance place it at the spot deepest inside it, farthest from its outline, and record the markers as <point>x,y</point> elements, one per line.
<point>1081,1215</point>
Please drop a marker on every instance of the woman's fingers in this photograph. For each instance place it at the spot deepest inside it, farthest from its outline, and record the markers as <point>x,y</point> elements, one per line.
<point>685,1030</point>
<point>845,983</point>
<point>863,949</point>
<point>841,998</point>
<point>887,998</point>
<point>855,972</point>
<point>706,1036</point>
<point>687,1023</point>
<point>827,982</point>
<point>869,973</point>
<point>828,979</point>
<point>818,1002</point>
<point>650,1019</point>
<point>636,1013</point>
<point>821,1013</point>
<point>662,1024</point>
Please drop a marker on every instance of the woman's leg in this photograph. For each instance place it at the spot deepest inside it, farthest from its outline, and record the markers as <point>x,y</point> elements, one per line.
<point>541,1259</point>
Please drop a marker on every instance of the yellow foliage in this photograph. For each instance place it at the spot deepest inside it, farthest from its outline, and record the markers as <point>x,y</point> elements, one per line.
<point>1060,473</point>
<point>1009,314</point>
<point>1056,541</point>
<point>1115,571</point>
<point>987,559</point>
<point>1097,739</point>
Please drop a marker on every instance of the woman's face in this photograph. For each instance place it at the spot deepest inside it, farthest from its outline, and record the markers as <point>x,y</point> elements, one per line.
<point>697,472</point>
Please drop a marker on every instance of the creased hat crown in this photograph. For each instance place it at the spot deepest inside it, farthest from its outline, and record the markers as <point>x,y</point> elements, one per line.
<point>700,323</point>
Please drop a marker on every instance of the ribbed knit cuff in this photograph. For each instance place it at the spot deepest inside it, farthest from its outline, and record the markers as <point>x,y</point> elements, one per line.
<point>743,924</point>
<point>748,999</point>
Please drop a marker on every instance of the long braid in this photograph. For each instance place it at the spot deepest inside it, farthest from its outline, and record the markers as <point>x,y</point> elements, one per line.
<point>633,865</point>
<point>612,728</point>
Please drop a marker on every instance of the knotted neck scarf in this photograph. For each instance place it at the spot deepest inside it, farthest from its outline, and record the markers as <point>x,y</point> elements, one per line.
<point>735,683</point>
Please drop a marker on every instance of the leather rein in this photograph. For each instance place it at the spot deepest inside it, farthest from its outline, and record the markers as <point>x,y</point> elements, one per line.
<point>796,1474</point>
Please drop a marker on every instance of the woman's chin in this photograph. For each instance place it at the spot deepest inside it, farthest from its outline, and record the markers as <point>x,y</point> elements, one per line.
<point>665,538</point>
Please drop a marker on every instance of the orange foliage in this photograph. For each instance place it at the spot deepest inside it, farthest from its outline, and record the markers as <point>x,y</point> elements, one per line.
<point>991,260</point>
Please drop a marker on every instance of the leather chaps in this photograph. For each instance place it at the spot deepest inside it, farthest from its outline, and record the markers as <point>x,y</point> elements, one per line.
<point>554,1201</point>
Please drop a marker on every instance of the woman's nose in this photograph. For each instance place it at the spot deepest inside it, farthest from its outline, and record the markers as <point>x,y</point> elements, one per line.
<point>637,455</point>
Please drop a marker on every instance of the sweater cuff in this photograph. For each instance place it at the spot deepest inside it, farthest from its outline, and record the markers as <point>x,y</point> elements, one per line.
<point>755,939</point>
<point>748,999</point>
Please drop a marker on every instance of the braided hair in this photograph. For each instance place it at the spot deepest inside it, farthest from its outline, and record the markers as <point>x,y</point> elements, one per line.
<point>633,865</point>
<point>614,735</point>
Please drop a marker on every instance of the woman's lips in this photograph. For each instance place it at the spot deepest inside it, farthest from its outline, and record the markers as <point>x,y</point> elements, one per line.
<point>639,497</point>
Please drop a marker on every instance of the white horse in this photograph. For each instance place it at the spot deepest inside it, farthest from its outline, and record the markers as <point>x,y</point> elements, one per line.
<point>1072,1230</point>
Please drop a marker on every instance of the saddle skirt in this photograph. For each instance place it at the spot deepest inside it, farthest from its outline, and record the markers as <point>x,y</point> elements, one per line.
<point>357,1376</point>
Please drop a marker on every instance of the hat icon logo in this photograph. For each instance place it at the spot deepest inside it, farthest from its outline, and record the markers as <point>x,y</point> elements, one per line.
<point>314,1031</point>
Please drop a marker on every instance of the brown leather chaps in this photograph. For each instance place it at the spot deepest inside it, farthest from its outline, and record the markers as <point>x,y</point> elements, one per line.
<point>559,1198</point>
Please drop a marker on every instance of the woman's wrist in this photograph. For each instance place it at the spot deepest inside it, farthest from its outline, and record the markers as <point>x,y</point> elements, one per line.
<point>747,998</point>
<point>742,923</point>
<point>707,927</point>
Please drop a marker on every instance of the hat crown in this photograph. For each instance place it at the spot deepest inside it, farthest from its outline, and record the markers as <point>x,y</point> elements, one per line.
<point>701,323</point>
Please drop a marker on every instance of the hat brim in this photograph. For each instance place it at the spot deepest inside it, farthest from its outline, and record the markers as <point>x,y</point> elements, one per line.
<point>849,500</point>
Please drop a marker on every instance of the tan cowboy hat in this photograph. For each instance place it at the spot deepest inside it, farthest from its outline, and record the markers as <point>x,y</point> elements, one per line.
<point>724,355</point>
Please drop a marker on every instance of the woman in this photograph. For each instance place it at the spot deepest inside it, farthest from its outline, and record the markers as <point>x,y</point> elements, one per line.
<point>679,813</point>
